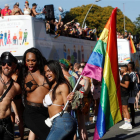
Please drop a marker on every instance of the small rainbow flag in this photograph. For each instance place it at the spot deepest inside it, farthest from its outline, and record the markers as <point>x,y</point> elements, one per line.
<point>132,46</point>
<point>104,59</point>
<point>127,59</point>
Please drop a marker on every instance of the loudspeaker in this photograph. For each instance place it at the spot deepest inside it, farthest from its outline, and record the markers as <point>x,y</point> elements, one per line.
<point>136,39</point>
<point>49,12</point>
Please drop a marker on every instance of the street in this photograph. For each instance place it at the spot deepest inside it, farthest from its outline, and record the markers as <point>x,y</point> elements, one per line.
<point>113,134</point>
<point>119,134</point>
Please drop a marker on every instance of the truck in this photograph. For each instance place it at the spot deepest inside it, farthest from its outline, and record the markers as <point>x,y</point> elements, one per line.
<point>21,32</point>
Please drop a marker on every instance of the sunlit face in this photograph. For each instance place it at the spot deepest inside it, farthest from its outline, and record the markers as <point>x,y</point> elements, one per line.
<point>122,70</point>
<point>26,5</point>
<point>6,7</point>
<point>8,68</point>
<point>31,61</point>
<point>49,74</point>
<point>80,71</point>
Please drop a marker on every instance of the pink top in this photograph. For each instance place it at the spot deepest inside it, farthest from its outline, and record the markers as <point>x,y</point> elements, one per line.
<point>6,12</point>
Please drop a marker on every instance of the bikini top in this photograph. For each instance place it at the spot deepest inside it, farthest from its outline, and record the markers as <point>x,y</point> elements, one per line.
<point>27,12</point>
<point>47,101</point>
<point>32,83</point>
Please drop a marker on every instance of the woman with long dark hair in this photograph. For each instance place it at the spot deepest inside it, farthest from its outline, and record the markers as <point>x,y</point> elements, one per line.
<point>63,127</point>
<point>35,88</point>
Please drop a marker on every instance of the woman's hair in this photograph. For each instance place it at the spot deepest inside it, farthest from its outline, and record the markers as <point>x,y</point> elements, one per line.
<point>40,63</point>
<point>27,2</point>
<point>55,67</point>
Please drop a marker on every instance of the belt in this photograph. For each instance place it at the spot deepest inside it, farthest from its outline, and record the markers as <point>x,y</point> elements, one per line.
<point>34,104</point>
<point>49,121</point>
<point>5,120</point>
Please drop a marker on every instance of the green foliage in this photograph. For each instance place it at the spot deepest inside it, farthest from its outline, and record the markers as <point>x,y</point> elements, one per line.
<point>137,23</point>
<point>98,17</point>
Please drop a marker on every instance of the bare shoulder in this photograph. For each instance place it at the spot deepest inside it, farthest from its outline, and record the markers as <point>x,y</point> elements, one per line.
<point>17,88</point>
<point>63,87</point>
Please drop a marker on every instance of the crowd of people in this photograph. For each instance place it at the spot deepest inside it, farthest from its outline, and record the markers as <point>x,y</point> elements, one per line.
<point>39,89</point>
<point>53,26</point>
<point>70,29</point>
<point>17,11</point>
<point>126,35</point>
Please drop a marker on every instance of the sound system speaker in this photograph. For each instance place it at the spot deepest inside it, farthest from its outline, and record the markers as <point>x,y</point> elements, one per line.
<point>49,12</point>
<point>136,39</point>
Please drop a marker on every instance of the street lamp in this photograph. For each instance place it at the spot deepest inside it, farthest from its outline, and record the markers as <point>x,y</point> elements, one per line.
<point>124,15</point>
<point>88,12</point>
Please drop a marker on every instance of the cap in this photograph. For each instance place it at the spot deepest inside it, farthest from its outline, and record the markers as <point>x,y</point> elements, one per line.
<point>64,63</point>
<point>34,4</point>
<point>78,23</point>
<point>17,3</point>
<point>8,57</point>
<point>6,5</point>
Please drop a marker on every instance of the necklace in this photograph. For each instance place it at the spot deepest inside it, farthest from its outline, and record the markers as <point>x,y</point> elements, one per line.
<point>5,84</point>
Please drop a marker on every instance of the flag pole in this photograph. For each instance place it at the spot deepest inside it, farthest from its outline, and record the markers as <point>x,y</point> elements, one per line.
<point>72,91</point>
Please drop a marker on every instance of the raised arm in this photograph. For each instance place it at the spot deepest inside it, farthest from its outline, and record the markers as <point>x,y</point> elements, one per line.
<point>69,23</point>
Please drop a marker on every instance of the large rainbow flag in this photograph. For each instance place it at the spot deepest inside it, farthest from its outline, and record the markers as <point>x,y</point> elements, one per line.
<point>104,59</point>
<point>132,46</point>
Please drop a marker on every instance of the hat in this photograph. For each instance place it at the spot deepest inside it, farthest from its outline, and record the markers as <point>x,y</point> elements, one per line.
<point>27,1</point>
<point>65,63</point>
<point>17,3</point>
<point>78,23</point>
<point>8,57</point>
<point>6,5</point>
<point>34,4</point>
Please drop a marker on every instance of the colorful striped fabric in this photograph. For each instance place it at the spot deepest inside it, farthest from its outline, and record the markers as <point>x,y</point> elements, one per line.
<point>132,46</point>
<point>110,108</point>
<point>95,64</point>
<point>103,65</point>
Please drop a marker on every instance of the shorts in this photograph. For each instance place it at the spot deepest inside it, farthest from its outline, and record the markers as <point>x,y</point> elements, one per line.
<point>131,100</point>
<point>125,100</point>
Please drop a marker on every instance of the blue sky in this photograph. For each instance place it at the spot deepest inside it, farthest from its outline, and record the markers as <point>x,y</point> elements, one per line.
<point>132,7</point>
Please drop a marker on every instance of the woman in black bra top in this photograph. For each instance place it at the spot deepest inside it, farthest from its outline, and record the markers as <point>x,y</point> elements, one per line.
<point>35,88</point>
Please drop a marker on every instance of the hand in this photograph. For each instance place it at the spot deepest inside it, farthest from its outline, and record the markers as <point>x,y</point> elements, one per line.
<point>17,121</point>
<point>72,20</point>
<point>70,97</point>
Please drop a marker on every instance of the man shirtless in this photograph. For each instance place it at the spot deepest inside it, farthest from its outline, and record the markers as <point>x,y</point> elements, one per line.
<point>33,10</point>
<point>16,10</point>
<point>8,67</point>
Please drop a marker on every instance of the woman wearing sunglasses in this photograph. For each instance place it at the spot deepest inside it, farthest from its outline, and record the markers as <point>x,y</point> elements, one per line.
<point>63,127</point>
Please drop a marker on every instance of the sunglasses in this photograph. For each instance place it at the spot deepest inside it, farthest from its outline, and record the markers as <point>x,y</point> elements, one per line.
<point>8,63</point>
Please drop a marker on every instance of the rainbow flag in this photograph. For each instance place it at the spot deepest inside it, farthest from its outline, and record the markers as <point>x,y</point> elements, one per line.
<point>132,46</point>
<point>95,64</point>
<point>104,59</point>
